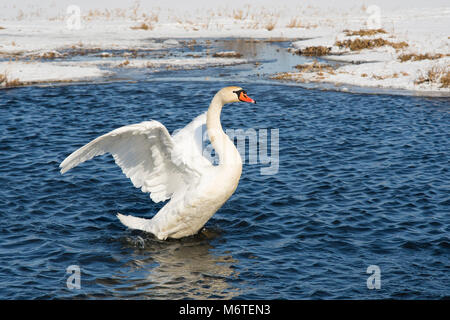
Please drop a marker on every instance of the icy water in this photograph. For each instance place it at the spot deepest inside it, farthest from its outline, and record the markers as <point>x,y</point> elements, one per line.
<point>362,180</point>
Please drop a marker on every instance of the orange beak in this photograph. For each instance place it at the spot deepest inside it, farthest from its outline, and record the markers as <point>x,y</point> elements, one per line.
<point>245,98</point>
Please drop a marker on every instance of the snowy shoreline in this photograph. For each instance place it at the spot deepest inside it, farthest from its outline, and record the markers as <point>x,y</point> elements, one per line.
<point>40,47</point>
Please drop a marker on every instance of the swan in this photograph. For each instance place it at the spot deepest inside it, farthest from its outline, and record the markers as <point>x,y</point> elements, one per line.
<point>173,167</point>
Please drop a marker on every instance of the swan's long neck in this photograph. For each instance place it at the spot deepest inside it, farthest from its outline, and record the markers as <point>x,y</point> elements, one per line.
<point>228,154</point>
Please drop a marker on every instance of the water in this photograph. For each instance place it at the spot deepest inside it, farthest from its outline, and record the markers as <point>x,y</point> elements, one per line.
<point>363,180</point>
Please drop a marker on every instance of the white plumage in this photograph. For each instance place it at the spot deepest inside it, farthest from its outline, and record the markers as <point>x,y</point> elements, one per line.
<point>173,167</point>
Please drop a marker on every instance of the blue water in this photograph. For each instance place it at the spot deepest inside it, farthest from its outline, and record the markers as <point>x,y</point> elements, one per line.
<point>363,180</point>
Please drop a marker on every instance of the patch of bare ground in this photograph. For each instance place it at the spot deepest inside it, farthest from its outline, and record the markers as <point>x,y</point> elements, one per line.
<point>364,32</point>
<point>227,54</point>
<point>417,57</point>
<point>436,75</point>
<point>315,51</point>
<point>360,44</point>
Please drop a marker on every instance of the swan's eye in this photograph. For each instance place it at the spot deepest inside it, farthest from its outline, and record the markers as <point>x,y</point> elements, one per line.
<point>239,93</point>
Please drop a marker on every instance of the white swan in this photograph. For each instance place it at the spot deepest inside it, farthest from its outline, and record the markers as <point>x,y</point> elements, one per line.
<point>174,167</point>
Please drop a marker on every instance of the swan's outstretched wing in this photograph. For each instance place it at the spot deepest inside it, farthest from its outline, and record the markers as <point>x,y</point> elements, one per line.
<point>189,144</point>
<point>144,153</point>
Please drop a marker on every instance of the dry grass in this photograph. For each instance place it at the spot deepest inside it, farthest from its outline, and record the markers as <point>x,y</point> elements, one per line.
<point>20,16</point>
<point>445,79</point>
<point>270,25</point>
<point>437,75</point>
<point>50,55</point>
<point>364,32</point>
<point>13,83</point>
<point>394,75</point>
<point>275,39</point>
<point>317,72</point>
<point>284,76</point>
<point>123,64</point>
<point>9,83</point>
<point>418,57</point>
<point>239,14</point>
<point>252,25</point>
<point>76,50</point>
<point>143,26</point>
<point>294,23</point>
<point>153,17</point>
<point>377,77</point>
<point>315,67</point>
<point>360,44</point>
<point>315,51</point>
<point>227,54</point>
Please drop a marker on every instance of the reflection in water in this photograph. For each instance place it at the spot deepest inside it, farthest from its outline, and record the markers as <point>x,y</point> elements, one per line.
<point>174,269</point>
<point>273,57</point>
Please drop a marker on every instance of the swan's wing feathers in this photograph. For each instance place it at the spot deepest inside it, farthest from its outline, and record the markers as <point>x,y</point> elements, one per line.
<point>188,143</point>
<point>143,152</point>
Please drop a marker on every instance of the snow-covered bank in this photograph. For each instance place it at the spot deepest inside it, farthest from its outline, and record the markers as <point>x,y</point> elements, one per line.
<point>418,76</point>
<point>18,73</point>
<point>21,73</point>
<point>171,63</point>
<point>412,54</point>
<point>130,34</point>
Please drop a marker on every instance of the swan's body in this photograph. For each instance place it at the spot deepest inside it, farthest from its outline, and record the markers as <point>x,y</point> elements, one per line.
<point>173,167</point>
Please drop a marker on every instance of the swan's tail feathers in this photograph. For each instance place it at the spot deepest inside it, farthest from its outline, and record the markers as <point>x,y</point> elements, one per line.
<point>136,223</point>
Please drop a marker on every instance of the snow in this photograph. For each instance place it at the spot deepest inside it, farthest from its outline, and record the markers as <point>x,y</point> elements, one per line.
<point>31,32</point>
<point>424,30</point>
<point>38,72</point>
<point>390,74</point>
<point>174,63</point>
